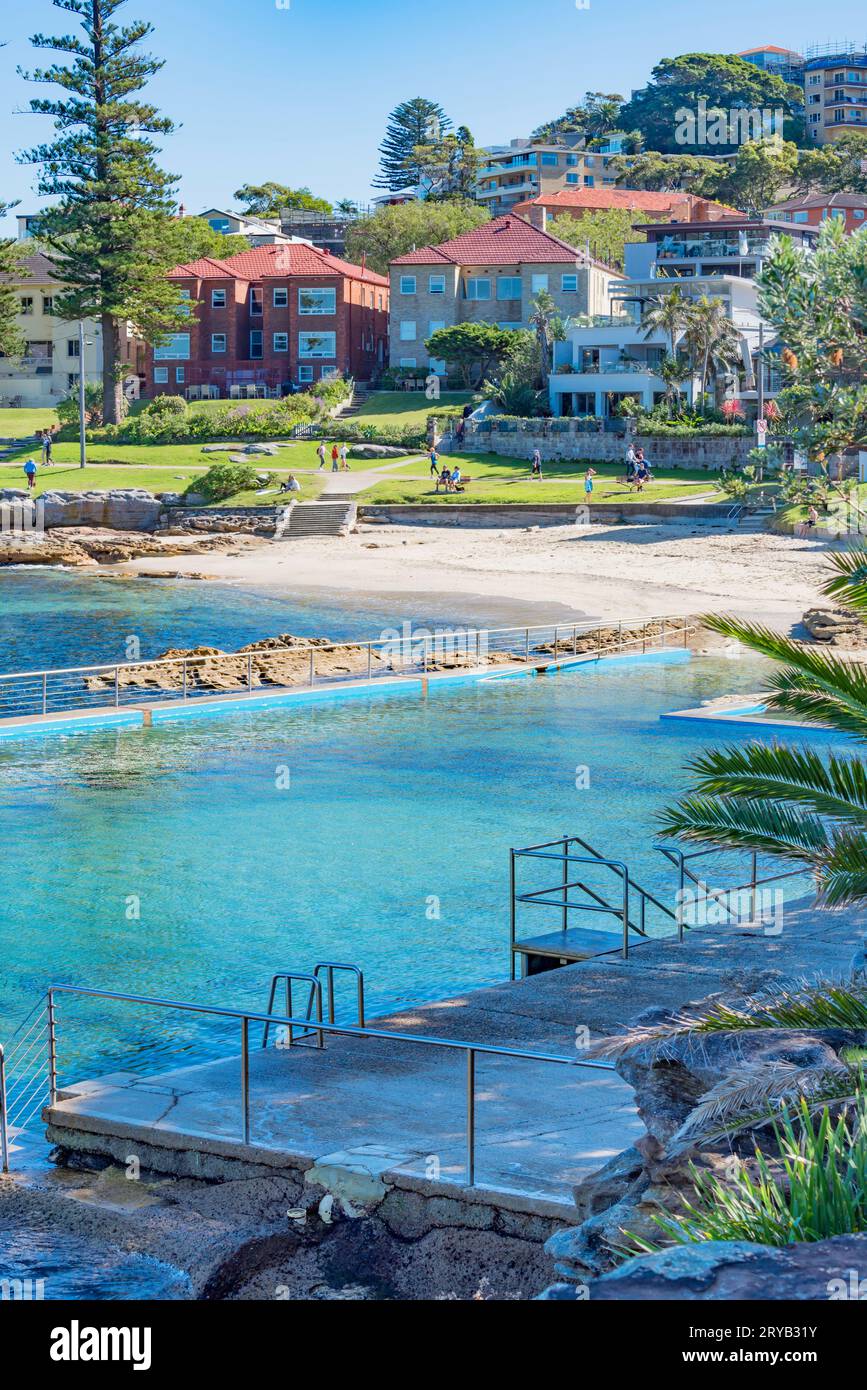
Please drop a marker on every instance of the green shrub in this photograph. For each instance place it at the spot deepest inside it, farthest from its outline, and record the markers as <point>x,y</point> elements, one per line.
<point>223,480</point>
<point>164,407</point>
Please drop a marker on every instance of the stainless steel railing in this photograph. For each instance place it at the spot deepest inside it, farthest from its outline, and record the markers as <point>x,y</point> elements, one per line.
<point>396,654</point>
<point>471,1051</point>
<point>723,895</point>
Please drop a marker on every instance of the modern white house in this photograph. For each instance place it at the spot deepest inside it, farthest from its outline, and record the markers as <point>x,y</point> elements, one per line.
<point>613,356</point>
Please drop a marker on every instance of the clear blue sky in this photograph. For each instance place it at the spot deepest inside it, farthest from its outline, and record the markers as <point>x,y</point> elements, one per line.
<point>301,95</point>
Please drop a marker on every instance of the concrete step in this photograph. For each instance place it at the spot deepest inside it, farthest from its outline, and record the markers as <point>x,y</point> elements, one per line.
<point>321,519</point>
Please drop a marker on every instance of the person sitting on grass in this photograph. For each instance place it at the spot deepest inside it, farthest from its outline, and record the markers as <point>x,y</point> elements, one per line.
<point>291,484</point>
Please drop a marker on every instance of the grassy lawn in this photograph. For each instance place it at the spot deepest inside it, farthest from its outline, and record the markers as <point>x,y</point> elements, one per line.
<point>391,408</point>
<point>496,478</point>
<point>68,477</point>
<point>298,456</point>
<point>19,424</point>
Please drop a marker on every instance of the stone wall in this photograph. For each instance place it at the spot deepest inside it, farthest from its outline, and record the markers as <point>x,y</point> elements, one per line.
<point>563,439</point>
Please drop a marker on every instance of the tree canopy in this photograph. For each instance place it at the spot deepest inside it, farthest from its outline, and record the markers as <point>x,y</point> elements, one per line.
<point>266,199</point>
<point>393,231</point>
<point>11,270</point>
<point>412,123</point>
<point>474,348</point>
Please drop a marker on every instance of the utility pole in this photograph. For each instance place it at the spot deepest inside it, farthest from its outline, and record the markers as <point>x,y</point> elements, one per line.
<point>760,389</point>
<point>81,425</point>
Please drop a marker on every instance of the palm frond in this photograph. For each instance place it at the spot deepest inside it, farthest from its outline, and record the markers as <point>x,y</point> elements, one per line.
<point>748,1099</point>
<point>850,581</point>
<point>827,785</point>
<point>745,823</point>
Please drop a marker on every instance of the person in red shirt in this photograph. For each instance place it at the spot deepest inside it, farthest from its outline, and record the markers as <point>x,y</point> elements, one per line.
<point>335,458</point>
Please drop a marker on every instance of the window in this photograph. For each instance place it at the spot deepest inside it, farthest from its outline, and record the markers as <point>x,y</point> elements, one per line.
<point>478,287</point>
<point>72,347</point>
<point>538,283</point>
<point>571,160</point>
<point>407,362</point>
<point>588,181</point>
<point>858,213</point>
<point>174,345</point>
<point>379,301</point>
<point>218,342</point>
<point>305,373</point>
<point>314,301</point>
<point>407,284</point>
<point>27,304</point>
<point>185,306</point>
<point>573,178</point>
<point>800,216</point>
<point>281,342</point>
<point>436,284</point>
<point>549,159</point>
<point>569,284</point>
<point>407,330</point>
<point>257,300</point>
<point>72,380</point>
<point>47,304</point>
<point>219,224</point>
<point>161,376</point>
<point>180,375</point>
<point>509,287</point>
<point>317,344</point>
<point>281,297</point>
<point>218,299</point>
<point>255,343</point>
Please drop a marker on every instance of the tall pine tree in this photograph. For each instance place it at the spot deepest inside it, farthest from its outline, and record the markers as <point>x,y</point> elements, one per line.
<point>413,123</point>
<point>110,227</point>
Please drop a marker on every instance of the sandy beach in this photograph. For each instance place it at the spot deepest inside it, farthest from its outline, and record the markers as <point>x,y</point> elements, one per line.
<point>588,572</point>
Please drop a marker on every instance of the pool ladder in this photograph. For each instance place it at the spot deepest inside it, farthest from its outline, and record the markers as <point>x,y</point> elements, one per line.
<point>290,1034</point>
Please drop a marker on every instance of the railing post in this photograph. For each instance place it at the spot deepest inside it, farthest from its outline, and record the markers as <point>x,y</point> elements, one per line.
<point>753,876</point>
<point>626,915</point>
<point>249,670</point>
<point>45,692</point>
<point>471,1117</point>
<point>556,641</point>
<point>662,633</point>
<point>116,686</point>
<point>312,665</point>
<point>424,642</point>
<point>52,1049</point>
<point>512,912</point>
<point>681,887</point>
<point>185,677</point>
<point>245,1077</point>
<point>4,1142</point>
<point>369,660</point>
<point>565,883</point>
<point>527,644</point>
<point>575,641</point>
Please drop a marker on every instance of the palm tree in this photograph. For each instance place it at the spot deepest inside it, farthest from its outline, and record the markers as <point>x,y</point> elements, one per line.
<point>711,337</point>
<point>668,313</point>
<point>548,327</point>
<point>794,802</point>
<point>673,371</point>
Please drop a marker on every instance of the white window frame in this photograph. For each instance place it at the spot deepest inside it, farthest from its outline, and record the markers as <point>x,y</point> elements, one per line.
<point>572,287</point>
<point>407,362</point>
<point>176,349</point>
<point>283,344</point>
<point>436,284</point>
<point>258,290</point>
<point>215,340</point>
<point>218,303</point>
<point>515,282</point>
<point>283,301</point>
<point>180,375</point>
<point>161,376</point>
<point>256,357</point>
<point>407,331</point>
<point>538,283</point>
<point>407,284</point>
<point>317,313</point>
<point>327,352</point>
<point>305,373</point>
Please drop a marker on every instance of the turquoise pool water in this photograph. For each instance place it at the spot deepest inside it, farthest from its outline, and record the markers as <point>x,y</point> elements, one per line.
<point>194,860</point>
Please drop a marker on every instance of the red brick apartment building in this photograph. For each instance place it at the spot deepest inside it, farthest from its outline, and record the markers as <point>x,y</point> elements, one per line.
<point>271,319</point>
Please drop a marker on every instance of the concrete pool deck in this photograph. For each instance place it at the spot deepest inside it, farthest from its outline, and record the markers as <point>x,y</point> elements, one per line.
<point>365,1115</point>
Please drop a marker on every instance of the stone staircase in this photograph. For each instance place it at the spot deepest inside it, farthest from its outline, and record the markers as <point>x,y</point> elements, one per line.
<point>360,394</point>
<point>331,518</point>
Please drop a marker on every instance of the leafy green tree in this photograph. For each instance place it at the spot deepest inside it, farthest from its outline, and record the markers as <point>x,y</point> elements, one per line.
<point>548,326</point>
<point>596,115</point>
<point>719,80</point>
<point>11,271</point>
<point>669,314</point>
<point>474,348</point>
<point>606,232</point>
<point>838,167</point>
<point>668,173</point>
<point>412,123</point>
<point>193,237</point>
<point>800,803</point>
<point>818,305</point>
<point>394,231</point>
<point>759,172</point>
<point>711,339</point>
<point>111,223</point>
<point>266,199</point>
<point>451,164</point>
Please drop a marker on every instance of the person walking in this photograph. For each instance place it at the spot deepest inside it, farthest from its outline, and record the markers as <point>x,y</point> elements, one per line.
<point>335,458</point>
<point>588,482</point>
<point>630,462</point>
<point>321,452</point>
<point>30,473</point>
<point>434,461</point>
<point>344,458</point>
<point>536,467</point>
<point>47,444</point>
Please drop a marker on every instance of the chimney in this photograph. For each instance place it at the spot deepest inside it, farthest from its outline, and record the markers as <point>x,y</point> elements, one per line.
<point>538,216</point>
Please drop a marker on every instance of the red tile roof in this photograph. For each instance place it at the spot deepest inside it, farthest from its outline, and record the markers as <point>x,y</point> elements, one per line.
<point>262,262</point>
<point>505,240</point>
<point>633,199</point>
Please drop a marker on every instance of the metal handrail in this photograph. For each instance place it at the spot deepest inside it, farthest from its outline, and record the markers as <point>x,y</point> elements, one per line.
<point>330,966</point>
<point>315,996</point>
<point>246,1017</point>
<point>4,1139</point>
<point>679,858</point>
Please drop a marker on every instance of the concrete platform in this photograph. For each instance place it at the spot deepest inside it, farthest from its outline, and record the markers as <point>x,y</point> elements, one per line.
<point>399,1107</point>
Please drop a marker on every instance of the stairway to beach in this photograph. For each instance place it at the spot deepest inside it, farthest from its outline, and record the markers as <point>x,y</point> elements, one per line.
<point>332,518</point>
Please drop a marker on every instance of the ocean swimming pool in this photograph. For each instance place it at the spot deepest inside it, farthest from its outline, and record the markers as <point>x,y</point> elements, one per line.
<point>194,860</point>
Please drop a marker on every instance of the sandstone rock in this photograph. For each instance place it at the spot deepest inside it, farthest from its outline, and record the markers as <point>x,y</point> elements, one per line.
<point>375,451</point>
<point>714,1269</point>
<point>836,627</point>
